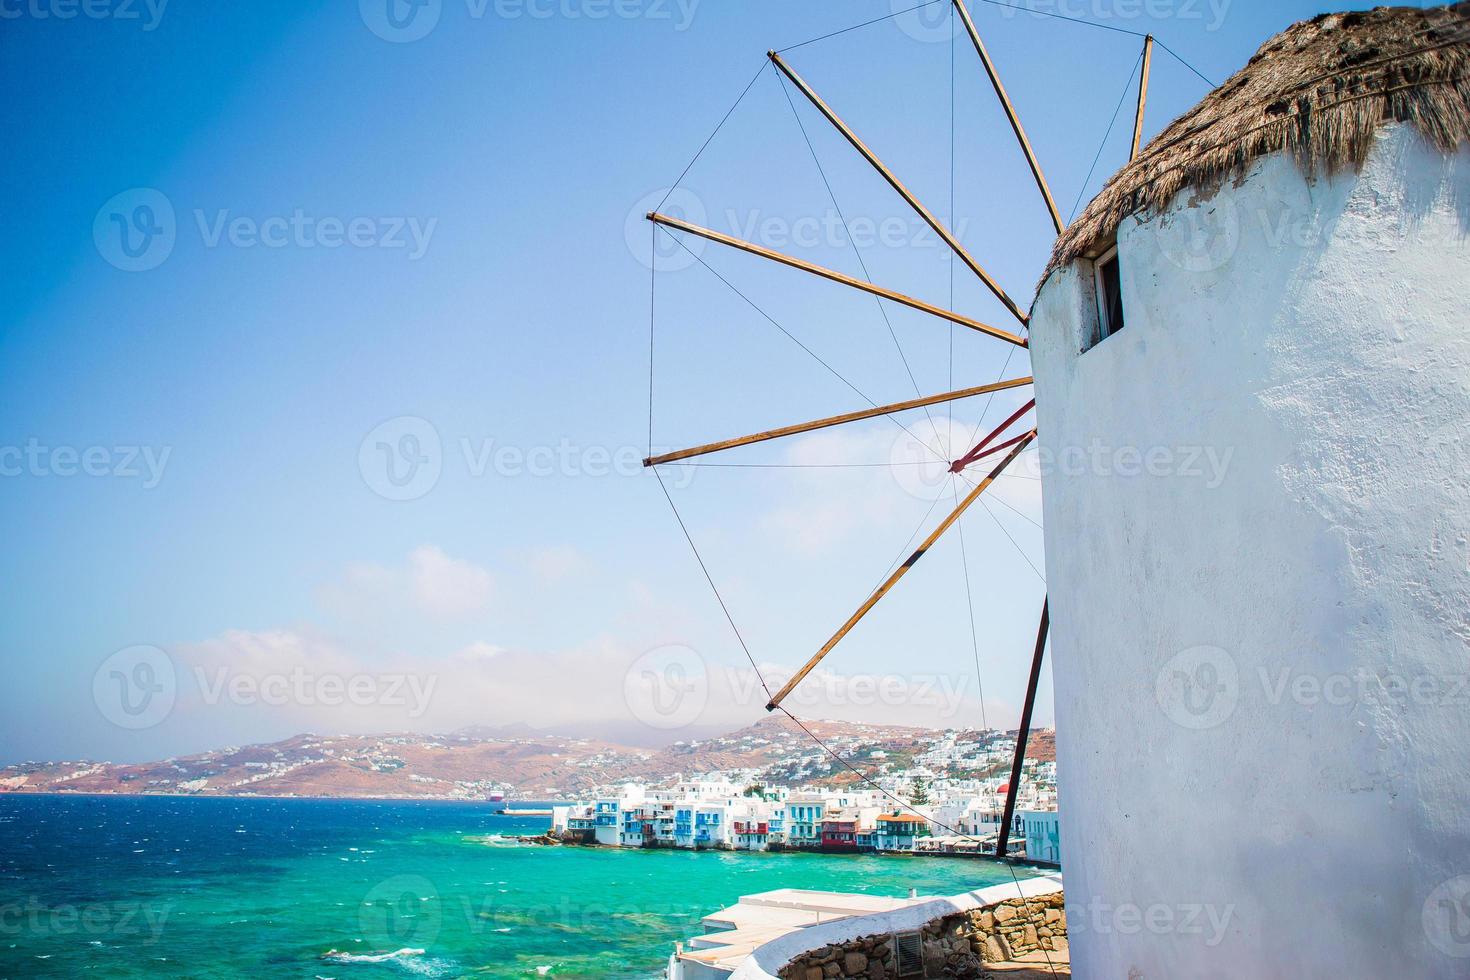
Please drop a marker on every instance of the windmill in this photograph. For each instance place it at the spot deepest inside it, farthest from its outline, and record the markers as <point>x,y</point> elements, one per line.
<point>998,449</point>
<point>1332,555</point>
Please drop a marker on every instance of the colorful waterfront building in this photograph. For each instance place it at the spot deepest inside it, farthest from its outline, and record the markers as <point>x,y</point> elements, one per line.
<point>684,825</point>
<point>839,832</point>
<point>898,831</point>
<point>804,820</point>
<point>848,829</point>
<point>751,834</point>
<point>711,826</point>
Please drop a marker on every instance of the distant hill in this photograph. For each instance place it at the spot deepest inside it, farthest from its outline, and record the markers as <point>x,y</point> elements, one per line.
<point>521,763</point>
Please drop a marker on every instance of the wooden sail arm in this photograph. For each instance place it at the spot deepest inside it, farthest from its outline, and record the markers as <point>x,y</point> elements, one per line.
<point>1003,842</point>
<point>827,423</point>
<point>1148,60</point>
<point>1010,110</point>
<point>899,573</point>
<point>897,185</point>
<point>834,276</point>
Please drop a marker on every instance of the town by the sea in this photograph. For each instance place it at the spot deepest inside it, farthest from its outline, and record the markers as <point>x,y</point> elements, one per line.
<point>181,887</point>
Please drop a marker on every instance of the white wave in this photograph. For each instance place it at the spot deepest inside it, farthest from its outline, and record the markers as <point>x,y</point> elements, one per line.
<point>336,956</point>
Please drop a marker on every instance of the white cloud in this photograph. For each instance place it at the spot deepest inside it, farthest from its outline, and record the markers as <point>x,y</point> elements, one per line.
<point>428,584</point>
<point>447,587</point>
<point>557,563</point>
<point>479,652</point>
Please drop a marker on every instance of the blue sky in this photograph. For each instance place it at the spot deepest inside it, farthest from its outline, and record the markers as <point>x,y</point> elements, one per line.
<point>367,227</point>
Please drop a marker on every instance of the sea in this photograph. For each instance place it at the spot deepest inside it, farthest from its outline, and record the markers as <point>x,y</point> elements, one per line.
<point>356,890</point>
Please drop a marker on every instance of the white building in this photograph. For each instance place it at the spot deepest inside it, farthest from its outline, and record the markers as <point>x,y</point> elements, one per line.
<point>804,812</point>
<point>1042,832</point>
<point>1253,418</point>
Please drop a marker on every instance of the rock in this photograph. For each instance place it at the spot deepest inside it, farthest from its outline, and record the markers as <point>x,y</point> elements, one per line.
<point>967,967</point>
<point>1005,913</point>
<point>986,922</point>
<point>815,973</point>
<point>832,970</point>
<point>993,953</point>
<point>855,963</point>
<point>1052,915</point>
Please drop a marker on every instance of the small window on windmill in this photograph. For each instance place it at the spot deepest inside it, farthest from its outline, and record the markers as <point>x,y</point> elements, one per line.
<point>909,951</point>
<point>1109,275</point>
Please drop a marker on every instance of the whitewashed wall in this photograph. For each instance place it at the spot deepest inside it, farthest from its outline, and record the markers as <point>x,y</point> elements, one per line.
<point>1246,790</point>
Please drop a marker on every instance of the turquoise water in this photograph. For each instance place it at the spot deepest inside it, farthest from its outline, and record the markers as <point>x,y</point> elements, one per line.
<point>120,887</point>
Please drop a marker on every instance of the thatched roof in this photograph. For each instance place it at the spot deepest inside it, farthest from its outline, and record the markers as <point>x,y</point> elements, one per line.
<point>1320,89</point>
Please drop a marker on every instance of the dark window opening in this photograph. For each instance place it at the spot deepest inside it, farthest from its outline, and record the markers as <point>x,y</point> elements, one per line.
<point>1109,295</point>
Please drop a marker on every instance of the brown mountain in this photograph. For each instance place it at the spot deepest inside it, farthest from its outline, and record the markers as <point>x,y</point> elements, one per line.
<point>521,763</point>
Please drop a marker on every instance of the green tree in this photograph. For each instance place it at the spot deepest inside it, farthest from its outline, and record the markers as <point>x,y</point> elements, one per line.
<point>919,794</point>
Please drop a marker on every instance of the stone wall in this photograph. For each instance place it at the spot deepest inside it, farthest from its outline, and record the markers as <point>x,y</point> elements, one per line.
<point>955,946</point>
